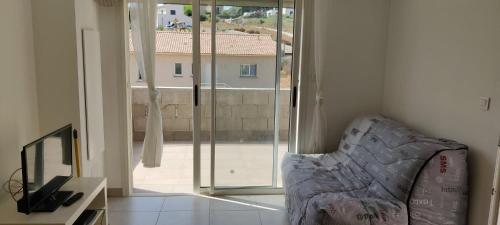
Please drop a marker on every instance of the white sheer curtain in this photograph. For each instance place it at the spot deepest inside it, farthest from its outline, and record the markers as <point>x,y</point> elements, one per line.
<point>312,130</point>
<point>143,21</point>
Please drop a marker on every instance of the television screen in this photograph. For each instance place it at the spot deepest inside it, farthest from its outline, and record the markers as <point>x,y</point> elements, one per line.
<point>48,159</point>
<point>47,165</point>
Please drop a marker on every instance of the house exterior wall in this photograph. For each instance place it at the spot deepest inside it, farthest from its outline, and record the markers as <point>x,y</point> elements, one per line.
<point>228,70</point>
<point>164,18</point>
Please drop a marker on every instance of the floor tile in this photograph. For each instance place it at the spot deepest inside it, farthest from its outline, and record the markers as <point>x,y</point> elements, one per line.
<point>234,218</point>
<point>270,201</point>
<point>147,204</point>
<point>190,203</point>
<point>273,217</point>
<point>230,204</point>
<point>264,202</point>
<point>133,218</point>
<point>198,217</point>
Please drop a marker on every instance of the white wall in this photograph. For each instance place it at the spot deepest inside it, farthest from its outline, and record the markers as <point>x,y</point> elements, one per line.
<point>163,19</point>
<point>354,37</point>
<point>57,28</point>
<point>86,17</point>
<point>113,73</point>
<point>18,102</point>
<point>41,60</point>
<point>442,56</point>
<point>55,57</point>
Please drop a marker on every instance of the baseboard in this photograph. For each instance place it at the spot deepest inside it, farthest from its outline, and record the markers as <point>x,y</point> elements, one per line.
<point>115,192</point>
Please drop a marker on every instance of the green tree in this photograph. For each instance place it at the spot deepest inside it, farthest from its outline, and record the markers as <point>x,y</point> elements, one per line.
<point>188,10</point>
<point>254,9</point>
<point>233,12</point>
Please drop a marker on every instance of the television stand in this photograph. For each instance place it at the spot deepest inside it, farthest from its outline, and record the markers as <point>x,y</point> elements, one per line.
<point>94,198</point>
<point>53,202</point>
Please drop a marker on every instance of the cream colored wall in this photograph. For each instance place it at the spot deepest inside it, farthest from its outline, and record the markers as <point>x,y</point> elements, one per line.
<point>354,37</point>
<point>18,101</point>
<point>41,60</point>
<point>57,29</point>
<point>442,57</point>
<point>113,76</point>
<point>86,17</point>
<point>55,57</point>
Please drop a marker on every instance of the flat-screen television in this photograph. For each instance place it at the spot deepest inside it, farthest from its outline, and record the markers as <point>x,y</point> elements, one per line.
<point>47,164</point>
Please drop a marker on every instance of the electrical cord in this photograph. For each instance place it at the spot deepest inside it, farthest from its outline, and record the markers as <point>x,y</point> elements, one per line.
<point>13,183</point>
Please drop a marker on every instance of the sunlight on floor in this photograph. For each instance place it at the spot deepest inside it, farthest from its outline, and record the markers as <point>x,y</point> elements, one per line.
<point>199,210</point>
<point>236,165</point>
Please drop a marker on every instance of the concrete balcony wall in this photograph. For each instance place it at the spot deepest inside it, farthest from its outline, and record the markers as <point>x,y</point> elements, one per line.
<point>242,114</point>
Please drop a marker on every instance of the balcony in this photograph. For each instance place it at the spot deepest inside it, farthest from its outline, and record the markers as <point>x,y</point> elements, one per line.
<point>244,138</point>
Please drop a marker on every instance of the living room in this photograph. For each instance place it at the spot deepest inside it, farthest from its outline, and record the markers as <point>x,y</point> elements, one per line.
<point>412,85</point>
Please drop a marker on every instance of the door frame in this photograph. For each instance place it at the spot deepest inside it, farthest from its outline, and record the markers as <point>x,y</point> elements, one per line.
<point>126,104</point>
<point>125,101</point>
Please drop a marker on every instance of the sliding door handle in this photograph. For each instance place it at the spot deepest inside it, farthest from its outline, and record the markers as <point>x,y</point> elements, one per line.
<point>294,97</point>
<point>195,95</point>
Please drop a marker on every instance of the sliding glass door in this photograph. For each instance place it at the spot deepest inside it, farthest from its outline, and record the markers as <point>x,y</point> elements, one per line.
<point>243,72</point>
<point>224,70</point>
<point>245,104</point>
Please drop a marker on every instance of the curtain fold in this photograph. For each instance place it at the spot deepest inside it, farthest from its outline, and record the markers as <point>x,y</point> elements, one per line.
<point>313,122</point>
<point>143,22</point>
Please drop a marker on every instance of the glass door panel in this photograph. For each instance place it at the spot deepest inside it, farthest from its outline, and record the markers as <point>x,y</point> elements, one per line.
<point>174,81</point>
<point>245,90</point>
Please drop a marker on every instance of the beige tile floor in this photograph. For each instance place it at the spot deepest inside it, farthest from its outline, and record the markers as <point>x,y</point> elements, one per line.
<point>246,164</point>
<point>198,210</point>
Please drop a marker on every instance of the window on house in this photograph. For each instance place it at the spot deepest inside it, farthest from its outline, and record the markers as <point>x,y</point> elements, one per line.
<point>248,70</point>
<point>172,12</point>
<point>178,69</point>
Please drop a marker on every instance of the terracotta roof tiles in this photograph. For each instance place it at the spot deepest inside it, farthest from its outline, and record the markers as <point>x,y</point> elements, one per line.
<point>170,42</point>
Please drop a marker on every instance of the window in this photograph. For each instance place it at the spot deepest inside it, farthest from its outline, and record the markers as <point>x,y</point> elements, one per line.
<point>172,12</point>
<point>248,70</point>
<point>178,69</point>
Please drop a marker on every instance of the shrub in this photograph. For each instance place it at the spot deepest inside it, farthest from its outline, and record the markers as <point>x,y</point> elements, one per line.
<point>188,10</point>
<point>203,17</point>
<point>253,32</point>
<point>232,12</point>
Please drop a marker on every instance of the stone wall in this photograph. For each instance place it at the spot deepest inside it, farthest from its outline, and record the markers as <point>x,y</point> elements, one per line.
<point>242,114</point>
